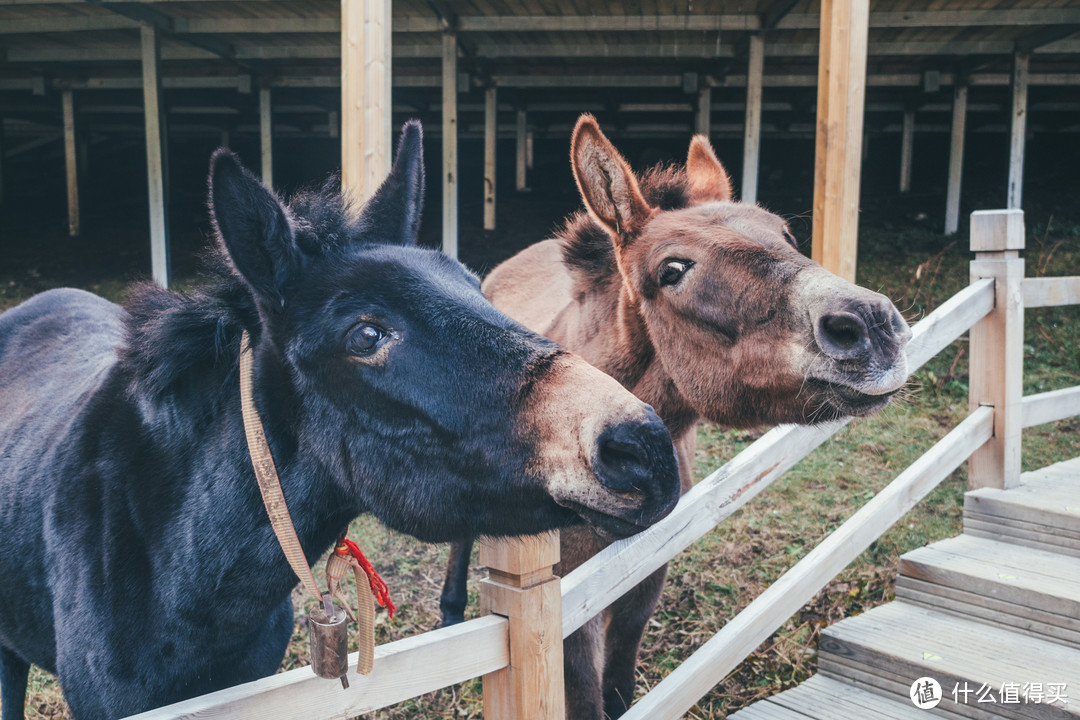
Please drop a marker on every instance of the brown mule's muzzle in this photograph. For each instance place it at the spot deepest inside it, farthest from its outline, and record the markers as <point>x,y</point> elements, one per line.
<point>603,453</point>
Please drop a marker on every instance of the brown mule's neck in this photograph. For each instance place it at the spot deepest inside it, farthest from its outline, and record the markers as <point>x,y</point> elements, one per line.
<point>630,357</point>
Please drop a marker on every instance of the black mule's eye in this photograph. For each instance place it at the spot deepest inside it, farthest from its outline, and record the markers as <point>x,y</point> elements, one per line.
<point>791,239</point>
<point>672,271</point>
<point>364,339</point>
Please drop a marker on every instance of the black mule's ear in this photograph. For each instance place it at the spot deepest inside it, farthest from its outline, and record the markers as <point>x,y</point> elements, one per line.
<point>392,216</point>
<point>253,228</point>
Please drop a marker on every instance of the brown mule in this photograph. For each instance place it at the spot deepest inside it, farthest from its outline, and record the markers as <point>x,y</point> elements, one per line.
<point>704,308</point>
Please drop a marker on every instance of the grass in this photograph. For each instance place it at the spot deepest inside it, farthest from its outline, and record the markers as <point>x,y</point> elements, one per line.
<point>710,582</point>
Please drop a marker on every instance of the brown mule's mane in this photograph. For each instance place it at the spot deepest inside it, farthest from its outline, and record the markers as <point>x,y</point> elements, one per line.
<point>587,247</point>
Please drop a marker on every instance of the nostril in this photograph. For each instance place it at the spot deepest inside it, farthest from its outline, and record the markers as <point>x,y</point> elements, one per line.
<point>842,334</point>
<point>623,462</point>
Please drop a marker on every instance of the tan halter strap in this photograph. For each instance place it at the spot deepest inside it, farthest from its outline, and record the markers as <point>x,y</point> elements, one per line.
<point>266,474</point>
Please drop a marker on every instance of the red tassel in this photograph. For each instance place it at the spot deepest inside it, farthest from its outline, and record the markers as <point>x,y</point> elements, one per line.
<point>378,587</point>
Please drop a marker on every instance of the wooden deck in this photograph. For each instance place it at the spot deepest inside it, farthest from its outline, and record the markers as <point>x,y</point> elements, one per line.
<point>995,611</point>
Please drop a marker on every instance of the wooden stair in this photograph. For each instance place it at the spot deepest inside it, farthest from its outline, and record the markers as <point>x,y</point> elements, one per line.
<point>998,605</point>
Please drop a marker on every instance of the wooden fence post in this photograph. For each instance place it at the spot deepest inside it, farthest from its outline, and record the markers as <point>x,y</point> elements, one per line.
<point>997,345</point>
<point>521,587</point>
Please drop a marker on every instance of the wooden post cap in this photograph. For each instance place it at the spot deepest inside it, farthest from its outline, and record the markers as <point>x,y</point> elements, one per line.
<point>997,230</point>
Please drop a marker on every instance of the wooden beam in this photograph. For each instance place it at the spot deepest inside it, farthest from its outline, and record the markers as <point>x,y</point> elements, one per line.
<point>703,119</point>
<point>752,133</point>
<point>1018,132</point>
<point>956,159</point>
<point>1051,406</point>
<point>520,183</point>
<point>70,162</point>
<point>997,345</point>
<point>521,587</point>
<point>490,116</point>
<point>837,158</point>
<point>156,154</point>
<point>1051,291</point>
<point>907,148</point>
<point>365,96</point>
<point>266,138</point>
<point>451,655</point>
<point>449,145</point>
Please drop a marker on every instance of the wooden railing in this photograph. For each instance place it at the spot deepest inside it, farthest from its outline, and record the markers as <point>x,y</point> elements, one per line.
<point>518,649</point>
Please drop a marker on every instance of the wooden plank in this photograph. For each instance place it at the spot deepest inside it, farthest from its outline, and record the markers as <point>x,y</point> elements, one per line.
<point>1038,506</point>
<point>752,133</point>
<point>893,686</point>
<point>676,693</point>
<point>969,604</point>
<point>837,157</point>
<point>956,159</point>
<point>997,346</point>
<point>1044,538</point>
<point>703,119</point>
<point>490,136</point>
<point>521,587</point>
<point>70,162</point>
<point>365,96</point>
<point>823,697</point>
<point>900,641</point>
<point>1024,577</point>
<point>266,139</point>
<point>157,163</point>
<point>1051,406</point>
<point>1017,133</point>
<point>449,145</point>
<point>1051,291</point>
<point>1055,522</point>
<point>907,148</point>
<point>448,655</point>
<point>519,134</point>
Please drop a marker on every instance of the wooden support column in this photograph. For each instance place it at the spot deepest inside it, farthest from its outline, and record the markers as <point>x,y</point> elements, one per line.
<point>752,133</point>
<point>449,145</point>
<point>156,155</point>
<point>522,588</point>
<point>491,133</point>
<point>997,345</point>
<point>70,162</point>
<point>907,149</point>
<point>266,140</point>
<point>521,182</point>
<point>956,159</point>
<point>837,158</point>
<point>365,96</point>
<point>529,137</point>
<point>703,121</point>
<point>1019,128</point>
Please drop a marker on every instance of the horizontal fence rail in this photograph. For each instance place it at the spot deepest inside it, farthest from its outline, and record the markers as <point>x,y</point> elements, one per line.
<point>609,574</point>
<point>678,692</point>
<point>1051,291</point>
<point>403,669</point>
<point>1051,406</point>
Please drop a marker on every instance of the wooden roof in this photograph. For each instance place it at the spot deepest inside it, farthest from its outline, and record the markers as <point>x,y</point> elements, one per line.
<point>515,43</point>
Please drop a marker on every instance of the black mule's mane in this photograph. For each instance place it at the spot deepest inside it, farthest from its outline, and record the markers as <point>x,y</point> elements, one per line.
<point>179,342</point>
<point>587,247</point>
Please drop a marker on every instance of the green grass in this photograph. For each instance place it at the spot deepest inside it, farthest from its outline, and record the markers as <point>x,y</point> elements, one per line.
<point>724,571</point>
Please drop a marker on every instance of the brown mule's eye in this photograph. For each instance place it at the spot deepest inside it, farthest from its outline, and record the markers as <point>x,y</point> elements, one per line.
<point>364,339</point>
<point>672,271</point>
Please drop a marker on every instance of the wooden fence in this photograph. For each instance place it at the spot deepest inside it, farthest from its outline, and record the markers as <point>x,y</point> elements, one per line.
<point>517,648</point>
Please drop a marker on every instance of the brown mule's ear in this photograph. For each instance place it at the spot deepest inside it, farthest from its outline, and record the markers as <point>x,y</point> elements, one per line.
<point>605,180</point>
<point>709,182</point>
